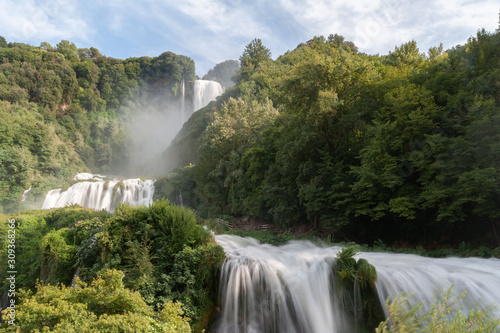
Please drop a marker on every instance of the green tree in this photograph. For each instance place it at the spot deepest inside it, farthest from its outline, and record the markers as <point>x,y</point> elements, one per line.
<point>46,46</point>
<point>237,126</point>
<point>223,73</point>
<point>68,49</point>
<point>254,55</point>
<point>104,305</point>
<point>339,41</point>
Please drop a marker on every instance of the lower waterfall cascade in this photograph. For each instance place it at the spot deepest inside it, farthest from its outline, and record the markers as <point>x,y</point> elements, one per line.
<point>100,192</point>
<point>291,288</point>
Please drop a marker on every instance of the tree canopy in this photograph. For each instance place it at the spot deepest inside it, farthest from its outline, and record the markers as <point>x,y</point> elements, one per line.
<point>399,147</point>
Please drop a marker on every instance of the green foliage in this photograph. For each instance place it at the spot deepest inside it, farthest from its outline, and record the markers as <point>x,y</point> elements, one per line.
<point>160,252</point>
<point>193,282</point>
<point>254,56</point>
<point>178,187</point>
<point>346,267</point>
<point>104,305</point>
<point>348,270</point>
<point>223,73</point>
<point>401,318</point>
<point>29,151</point>
<point>237,126</point>
<point>400,147</point>
<point>134,236</point>
<point>46,242</point>
<point>172,314</point>
<point>353,280</point>
<point>366,273</point>
<point>164,254</point>
<point>58,257</point>
<point>407,53</point>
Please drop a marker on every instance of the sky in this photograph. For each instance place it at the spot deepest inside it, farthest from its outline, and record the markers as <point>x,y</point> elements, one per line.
<point>212,31</point>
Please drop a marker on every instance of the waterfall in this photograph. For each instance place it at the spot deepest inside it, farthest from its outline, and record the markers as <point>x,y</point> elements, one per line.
<point>181,203</point>
<point>204,92</point>
<point>183,102</point>
<point>291,288</point>
<point>24,196</point>
<point>98,193</point>
<point>424,277</point>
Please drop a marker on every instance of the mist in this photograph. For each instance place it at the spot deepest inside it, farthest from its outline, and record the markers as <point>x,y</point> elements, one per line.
<point>152,122</point>
<point>154,119</point>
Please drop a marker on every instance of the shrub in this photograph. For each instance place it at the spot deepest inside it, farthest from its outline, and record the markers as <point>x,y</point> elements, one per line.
<point>104,305</point>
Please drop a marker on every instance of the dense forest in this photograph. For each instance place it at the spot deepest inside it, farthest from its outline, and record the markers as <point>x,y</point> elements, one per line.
<point>402,148</point>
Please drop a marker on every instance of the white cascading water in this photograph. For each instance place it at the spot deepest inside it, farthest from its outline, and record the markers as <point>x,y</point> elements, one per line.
<point>205,91</point>
<point>183,102</point>
<point>181,203</point>
<point>98,193</point>
<point>425,277</point>
<point>291,288</point>
<point>24,196</point>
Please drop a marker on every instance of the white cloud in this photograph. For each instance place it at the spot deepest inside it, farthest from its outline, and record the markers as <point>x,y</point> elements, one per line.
<point>28,20</point>
<point>115,23</point>
<point>211,31</point>
<point>380,25</point>
<point>214,16</point>
<point>215,30</point>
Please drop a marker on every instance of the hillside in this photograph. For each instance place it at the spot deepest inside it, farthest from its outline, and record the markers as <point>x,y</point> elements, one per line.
<point>66,110</point>
<point>401,147</point>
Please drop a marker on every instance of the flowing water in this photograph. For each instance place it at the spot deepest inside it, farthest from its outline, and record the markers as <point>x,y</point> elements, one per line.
<point>292,288</point>
<point>98,192</point>
<point>24,196</point>
<point>183,102</point>
<point>204,92</point>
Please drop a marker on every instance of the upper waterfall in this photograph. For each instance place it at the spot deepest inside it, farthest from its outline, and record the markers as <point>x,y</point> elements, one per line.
<point>204,92</point>
<point>98,192</point>
<point>183,103</point>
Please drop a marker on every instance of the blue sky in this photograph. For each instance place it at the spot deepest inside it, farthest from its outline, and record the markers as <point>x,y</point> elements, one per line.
<point>211,31</point>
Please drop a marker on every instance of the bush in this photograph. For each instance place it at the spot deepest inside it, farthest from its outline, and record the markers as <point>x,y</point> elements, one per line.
<point>160,252</point>
<point>58,257</point>
<point>46,243</point>
<point>105,305</point>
